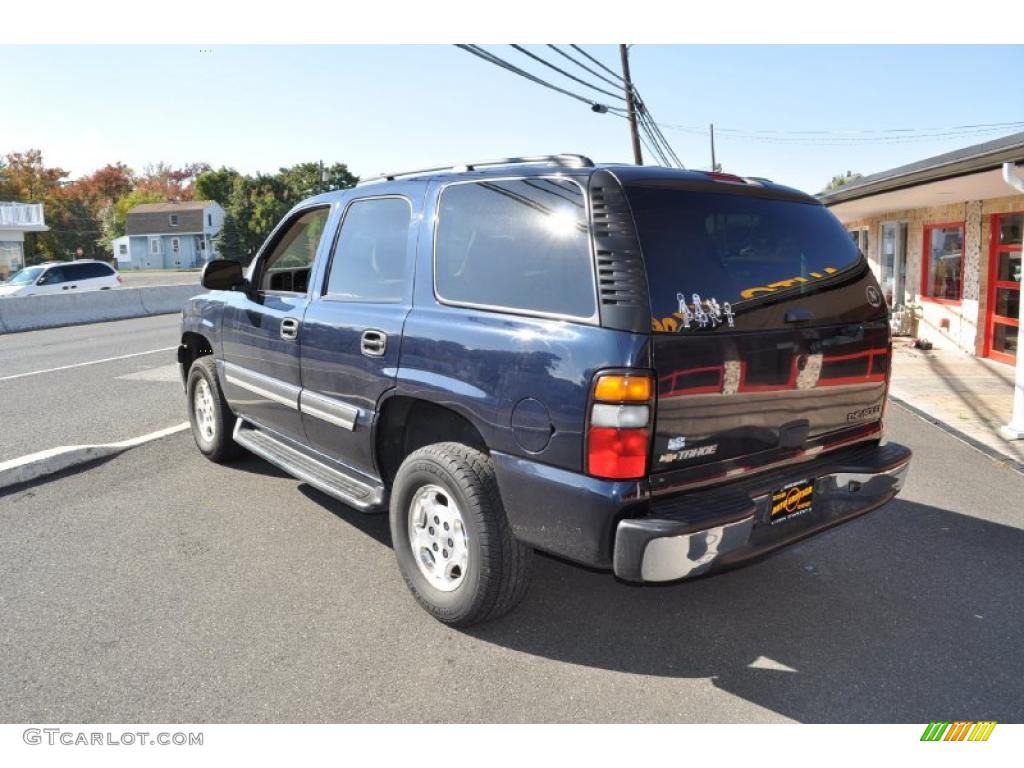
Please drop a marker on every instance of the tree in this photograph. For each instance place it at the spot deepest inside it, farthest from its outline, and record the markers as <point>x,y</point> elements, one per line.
<point>305,179</point>
<point>217,185</point>
<point>105,186</point>
<point>228,241</point>
<point>839,181</point>
<point>27,179</point>
<point>171,183</point>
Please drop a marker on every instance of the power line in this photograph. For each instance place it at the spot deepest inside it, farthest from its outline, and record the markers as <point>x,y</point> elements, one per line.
<point>561,71</point>
<point>654,126</point>
<point>834,140</point>
<point>645,125</point>
<point>499,62</point>
<point>851,137</point>
<point>858,131</point>
<point>611,72</point>
<point>583,66</point>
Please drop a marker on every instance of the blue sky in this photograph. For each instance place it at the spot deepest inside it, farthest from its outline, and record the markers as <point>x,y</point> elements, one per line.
<point>392,107</point>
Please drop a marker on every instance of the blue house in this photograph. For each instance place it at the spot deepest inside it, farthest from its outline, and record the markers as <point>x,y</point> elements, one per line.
<point>169,235</point>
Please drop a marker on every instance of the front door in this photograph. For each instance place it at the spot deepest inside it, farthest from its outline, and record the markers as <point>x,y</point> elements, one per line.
<point>893,262</point>
<point>261,334</point>
<point>352,331</point>
<point>1004,287</point>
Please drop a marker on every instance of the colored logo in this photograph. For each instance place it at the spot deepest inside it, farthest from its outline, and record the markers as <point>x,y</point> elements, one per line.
<point>959,731</point>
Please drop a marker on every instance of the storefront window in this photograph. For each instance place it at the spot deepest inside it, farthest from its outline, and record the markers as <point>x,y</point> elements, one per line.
<point>1004,340</point>
<point>943,261</point>
<point>1010,229</point>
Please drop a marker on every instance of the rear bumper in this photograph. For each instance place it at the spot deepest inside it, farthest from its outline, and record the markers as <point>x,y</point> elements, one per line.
<point>692,534</point>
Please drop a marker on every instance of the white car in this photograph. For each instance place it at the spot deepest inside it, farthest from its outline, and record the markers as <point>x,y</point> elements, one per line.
<point>61,277</point>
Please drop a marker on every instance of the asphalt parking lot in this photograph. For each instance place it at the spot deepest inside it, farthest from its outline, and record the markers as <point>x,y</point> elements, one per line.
<point>158,587</point>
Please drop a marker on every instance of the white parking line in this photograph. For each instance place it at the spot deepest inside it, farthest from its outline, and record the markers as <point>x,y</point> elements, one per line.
<point>90,362</point>
<point>52,460</point>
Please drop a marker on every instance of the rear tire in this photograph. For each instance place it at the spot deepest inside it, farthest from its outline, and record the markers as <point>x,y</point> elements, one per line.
<point>452,539</point>
<point>208,412</point>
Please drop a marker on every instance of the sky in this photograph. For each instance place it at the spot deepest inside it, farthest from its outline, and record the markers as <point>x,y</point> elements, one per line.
<point>386,108</point>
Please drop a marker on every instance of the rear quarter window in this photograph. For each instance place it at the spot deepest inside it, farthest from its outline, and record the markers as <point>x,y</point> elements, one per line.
<point>734,250</point>
<point>521,245</point>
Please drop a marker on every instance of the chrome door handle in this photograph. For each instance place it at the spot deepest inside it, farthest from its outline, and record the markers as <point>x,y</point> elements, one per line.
<point>374,343</point>
<point>289,328</point>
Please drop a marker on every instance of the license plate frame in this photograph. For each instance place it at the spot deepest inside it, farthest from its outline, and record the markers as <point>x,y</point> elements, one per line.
<point>791,501</point>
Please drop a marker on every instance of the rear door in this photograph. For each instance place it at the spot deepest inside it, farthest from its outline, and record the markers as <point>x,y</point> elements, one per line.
<point>91,276</point>
<point>352,332</point>
<point>770,335</point>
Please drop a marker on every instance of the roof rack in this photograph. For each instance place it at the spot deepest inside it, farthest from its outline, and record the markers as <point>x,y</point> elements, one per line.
<point>567,160</point>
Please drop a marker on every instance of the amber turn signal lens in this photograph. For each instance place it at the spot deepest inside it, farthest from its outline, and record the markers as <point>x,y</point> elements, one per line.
<point>616,388</point>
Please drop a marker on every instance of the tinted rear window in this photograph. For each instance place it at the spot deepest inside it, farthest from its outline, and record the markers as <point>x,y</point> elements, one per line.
<point>733,249</point>
<point>520,244</point>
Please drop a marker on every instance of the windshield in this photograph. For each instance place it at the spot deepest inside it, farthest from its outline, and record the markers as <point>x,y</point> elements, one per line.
<point>26,276</point>
<point>731,251</point>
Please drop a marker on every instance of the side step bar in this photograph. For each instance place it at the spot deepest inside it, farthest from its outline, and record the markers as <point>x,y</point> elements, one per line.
<point>331,481</point>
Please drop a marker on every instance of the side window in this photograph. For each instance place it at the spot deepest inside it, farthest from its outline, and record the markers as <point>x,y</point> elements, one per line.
<point>52,276</point>
<point>74,272</point>
<point>369,259</point>
<point>287,266</point>
<point>521,244</point>
<point>94,270</point>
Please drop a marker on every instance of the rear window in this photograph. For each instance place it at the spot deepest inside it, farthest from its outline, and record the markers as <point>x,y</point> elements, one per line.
<point>710,254</point>
<point>521,245</point>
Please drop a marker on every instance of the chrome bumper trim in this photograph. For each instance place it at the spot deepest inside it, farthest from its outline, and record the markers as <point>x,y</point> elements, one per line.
<point>672,557</point>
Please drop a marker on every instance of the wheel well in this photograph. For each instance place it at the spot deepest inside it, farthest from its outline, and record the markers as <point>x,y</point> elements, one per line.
<point>193,346</point>
<point>407,424</point>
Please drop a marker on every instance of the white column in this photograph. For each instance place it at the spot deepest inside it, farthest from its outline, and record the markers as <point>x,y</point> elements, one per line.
<point>1015,429</point>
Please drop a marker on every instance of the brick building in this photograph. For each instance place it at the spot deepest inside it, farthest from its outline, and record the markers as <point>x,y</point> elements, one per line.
<point>943,236</point>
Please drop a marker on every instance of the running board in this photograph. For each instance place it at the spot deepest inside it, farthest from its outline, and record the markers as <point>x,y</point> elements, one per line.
<point>331,481</point>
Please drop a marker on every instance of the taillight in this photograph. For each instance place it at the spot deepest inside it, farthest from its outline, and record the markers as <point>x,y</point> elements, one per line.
<point>120,280</point>
<point>619,426</point>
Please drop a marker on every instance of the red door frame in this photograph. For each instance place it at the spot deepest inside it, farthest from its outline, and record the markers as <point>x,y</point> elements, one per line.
<point>926,260</point>
<point>993,268</point>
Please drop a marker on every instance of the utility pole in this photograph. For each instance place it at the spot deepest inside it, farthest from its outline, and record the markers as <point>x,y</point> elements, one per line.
<point>638,158</point>
<point>714,165</point>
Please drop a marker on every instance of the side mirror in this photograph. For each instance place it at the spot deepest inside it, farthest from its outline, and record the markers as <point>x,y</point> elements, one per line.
<point>222,275</point>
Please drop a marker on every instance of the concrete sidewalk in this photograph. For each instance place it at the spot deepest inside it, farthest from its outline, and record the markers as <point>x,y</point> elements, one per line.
<point>970,396</point>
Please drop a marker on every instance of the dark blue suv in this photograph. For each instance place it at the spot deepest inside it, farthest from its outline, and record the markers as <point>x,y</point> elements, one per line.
<point>657,372</point>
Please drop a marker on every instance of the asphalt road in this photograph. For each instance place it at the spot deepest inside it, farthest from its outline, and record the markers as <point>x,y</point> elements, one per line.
<point>158,587</point>
<point>86,384</point>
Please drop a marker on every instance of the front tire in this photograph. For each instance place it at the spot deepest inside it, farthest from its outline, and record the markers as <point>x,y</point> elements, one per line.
<point>211,418</point>
<point>452,539</point>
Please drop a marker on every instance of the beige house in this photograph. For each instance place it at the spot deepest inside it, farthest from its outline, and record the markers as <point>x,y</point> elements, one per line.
<point>943,236</point>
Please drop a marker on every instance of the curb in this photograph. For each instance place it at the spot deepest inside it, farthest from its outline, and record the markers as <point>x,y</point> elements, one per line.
<point>34,466</point>
<point>994,454</point>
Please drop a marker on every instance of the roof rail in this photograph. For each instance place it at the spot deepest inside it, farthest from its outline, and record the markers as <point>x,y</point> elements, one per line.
<point>568,160</point>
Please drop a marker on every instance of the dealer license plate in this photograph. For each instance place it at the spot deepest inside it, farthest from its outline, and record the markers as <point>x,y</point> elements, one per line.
<point>791,501</point>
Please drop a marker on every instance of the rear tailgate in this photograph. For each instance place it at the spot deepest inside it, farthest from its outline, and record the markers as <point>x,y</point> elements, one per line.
<point>770,337</point>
